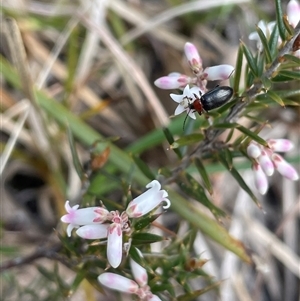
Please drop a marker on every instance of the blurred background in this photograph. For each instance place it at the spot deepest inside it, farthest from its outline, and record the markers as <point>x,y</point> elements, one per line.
<point>99,59</point>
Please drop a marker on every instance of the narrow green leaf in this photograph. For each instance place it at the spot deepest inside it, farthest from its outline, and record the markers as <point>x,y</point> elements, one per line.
<point>238,178</point>
<point>289,74</point>
<point>275,97</point>
<point>208,226</point>
<point>243,130</point>
<point>144,221</point>
<point>292,58</point>
<point>80,276</point>
<point>238,70</point>
<point>144,168</point>
<point>228,157</point>
<point>265,44</point>
<point>273,41</point>
<point>229,136</point>
<point>187,140</point>
<point>250,60</point>
<point>267,83</point>
<point>260,63</point>
<point>249,79</point>
<point>77,164</point>
<point>145,238</point>
<point>193,295</point>
<point>279,17</point>
<point>204,175</point>
<point>287,25</point>
<point>171,140</point>
<point>193,189</point>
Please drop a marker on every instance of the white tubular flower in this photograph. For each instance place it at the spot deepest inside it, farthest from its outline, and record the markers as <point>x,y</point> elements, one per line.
<point>148,200</point>
<point>93,231</point>
<point>115,244</point>
<point>118,283</point>
<point>193,57</point>
<point>253,150</point>
<point>280,145</point>
<point>220,72</point>
<point>184,101</point>
<point>123,284</point>
<point>293,12</point>
<point>261,180</point>
<point>266,161</point>
<point>85,216</point>
<point>284,168</point>
<point>172,81</point>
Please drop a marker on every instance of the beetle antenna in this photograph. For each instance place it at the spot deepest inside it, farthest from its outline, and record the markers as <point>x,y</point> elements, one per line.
<point>187,114</point>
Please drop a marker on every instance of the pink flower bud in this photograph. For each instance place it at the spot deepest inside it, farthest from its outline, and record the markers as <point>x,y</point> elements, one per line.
<point>172,81</point>
<point>280,145</point>
<point>93,231</point>
<point>85,216</point>
<point>118,283</point>
<point>114,244</point>
<point>253,150</point>
<point>193,57</point>
<point>261,180</point>
<point>284,168</point>
<point>266,163</point>
<point>139,273</point>
<point>293,12</point>
<point>148,200</point>
<point>220,72</point>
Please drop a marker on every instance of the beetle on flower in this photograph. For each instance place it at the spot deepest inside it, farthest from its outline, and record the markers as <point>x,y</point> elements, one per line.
<point>99,223</point>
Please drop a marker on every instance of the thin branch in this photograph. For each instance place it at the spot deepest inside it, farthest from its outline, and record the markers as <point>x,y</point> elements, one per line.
<point>208,144</point>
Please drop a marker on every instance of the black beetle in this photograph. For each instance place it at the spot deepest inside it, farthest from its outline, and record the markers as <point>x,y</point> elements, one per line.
<point>213,99</point>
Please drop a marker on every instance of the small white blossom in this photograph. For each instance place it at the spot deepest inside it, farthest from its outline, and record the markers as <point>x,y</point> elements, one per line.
<point>99,223</point>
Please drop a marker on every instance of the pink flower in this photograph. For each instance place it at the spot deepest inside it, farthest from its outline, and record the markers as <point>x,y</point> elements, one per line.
<point>265,161</point>
<point>200,78</point>
<point>85,216</point>
<point>92,220</point>
<point>148,200</point>
<point>138,287</point>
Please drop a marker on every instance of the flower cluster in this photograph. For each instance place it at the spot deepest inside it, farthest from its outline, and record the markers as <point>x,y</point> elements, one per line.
<point>293,13</point>
<point>99,223</point>
<point>198,82</point>
<point>138,287</point>
<point>266,161</point>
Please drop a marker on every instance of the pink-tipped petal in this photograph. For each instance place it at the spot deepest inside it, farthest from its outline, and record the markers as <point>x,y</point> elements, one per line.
<point>84,216</point>
<point>253,150</point>
<point>114,245</point>
<point>148,200</point>
<point>220,72</point>
<point>280,145</point>
<point>293,12</point>
<point>284,168</point>
<point>118,283</point>
<point>93,231</point>
<point>193,57</point>
<point>261,180</point>
<point>266,163</point>
<point>139,273</point>
<point>172,82</point>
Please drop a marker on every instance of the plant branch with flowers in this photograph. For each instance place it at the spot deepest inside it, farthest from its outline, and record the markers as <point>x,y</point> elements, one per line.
<point>106,233</point>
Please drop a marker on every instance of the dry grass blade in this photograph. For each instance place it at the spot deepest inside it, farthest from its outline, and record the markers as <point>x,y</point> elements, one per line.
<point>173,12</point>
<point>280,250</point>
<point>132,69</point>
